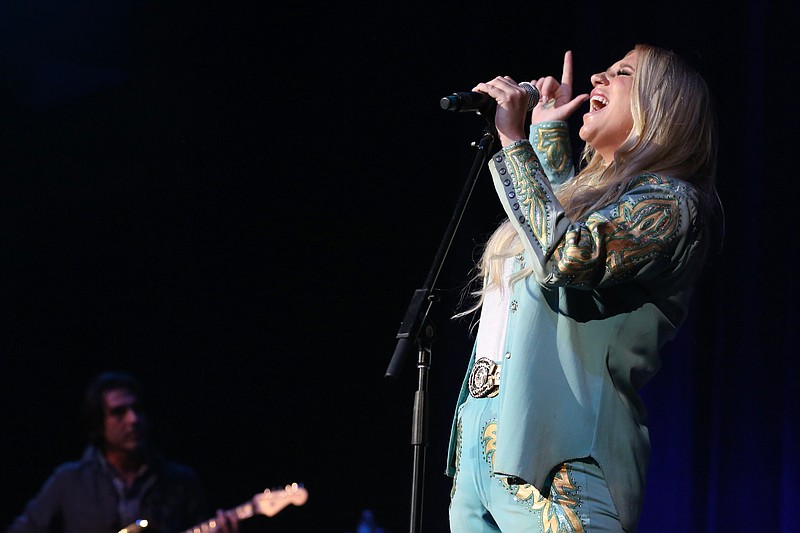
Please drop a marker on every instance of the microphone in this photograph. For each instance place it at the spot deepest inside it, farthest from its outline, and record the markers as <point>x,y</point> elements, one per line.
<point>477,101</point>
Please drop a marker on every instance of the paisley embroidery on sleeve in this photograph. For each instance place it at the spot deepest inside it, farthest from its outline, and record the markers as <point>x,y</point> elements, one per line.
<point>638,231</point>
<point>554,142</point>
<point>531,194</point>
<point>652,223</point>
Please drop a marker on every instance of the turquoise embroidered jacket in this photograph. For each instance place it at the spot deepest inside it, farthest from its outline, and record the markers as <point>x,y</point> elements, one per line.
<point>585,329</point>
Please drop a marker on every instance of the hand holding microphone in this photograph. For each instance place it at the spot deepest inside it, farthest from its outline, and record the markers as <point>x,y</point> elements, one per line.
<point>514,101</point>
<point>479,101</point>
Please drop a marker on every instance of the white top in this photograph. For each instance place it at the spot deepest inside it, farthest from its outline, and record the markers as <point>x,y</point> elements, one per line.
<point>494,318</point>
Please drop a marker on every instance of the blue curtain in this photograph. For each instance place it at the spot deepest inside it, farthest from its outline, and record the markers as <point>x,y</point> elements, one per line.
<point>724,410</point>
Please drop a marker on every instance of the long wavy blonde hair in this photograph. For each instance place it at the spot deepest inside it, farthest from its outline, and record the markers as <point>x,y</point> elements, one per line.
<point>673,134</point>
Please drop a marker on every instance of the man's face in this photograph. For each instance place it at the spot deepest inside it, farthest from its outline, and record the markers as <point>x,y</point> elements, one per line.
<point>123,422</point>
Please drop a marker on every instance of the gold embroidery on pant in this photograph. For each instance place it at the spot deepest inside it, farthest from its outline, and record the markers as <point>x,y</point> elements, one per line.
<point>457,459</point>
<point>557,512</point>
<point>489,440</point>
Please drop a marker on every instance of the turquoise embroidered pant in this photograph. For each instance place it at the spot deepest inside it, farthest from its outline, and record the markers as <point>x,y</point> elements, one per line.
<point>578,500</point>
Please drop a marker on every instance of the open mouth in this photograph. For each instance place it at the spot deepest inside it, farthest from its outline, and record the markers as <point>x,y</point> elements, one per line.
<point>597,102</point>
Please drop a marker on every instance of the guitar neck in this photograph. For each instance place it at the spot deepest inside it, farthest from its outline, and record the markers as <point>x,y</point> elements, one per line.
<point>267,503</point>
<point>243,512</point>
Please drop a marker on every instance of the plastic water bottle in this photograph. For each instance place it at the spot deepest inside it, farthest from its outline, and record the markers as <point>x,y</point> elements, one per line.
<point>367,522</point>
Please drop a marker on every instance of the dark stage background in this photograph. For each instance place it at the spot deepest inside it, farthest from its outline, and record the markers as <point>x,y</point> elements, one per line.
<point>235,201</point>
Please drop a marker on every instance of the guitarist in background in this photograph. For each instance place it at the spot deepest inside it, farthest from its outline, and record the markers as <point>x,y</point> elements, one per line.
<point>120,478</point>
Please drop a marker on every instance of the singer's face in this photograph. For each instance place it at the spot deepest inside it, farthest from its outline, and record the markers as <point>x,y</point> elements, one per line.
<point>609,120</point>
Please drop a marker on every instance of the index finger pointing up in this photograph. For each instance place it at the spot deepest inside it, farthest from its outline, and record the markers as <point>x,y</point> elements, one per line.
<point>566,74</point>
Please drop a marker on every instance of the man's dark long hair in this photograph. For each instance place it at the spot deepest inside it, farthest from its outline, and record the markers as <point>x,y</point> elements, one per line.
<point>93,406</point>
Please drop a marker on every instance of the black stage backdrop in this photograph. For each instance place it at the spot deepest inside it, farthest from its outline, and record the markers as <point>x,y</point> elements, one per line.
<point>235,201</point>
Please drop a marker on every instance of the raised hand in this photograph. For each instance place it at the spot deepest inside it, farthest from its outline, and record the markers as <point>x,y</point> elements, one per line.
<point>556,102</point>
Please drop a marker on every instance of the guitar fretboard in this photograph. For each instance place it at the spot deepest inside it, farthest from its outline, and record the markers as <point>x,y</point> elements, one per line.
<point>243,512</point>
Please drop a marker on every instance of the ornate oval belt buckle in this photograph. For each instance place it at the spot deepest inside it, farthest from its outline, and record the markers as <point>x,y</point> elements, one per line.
<point>484,379</point>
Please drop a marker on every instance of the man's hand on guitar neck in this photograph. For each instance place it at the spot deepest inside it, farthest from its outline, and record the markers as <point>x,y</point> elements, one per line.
<point>227,521</point>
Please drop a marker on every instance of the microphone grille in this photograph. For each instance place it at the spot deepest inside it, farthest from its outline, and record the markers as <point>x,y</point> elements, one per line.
<point>533,94</point>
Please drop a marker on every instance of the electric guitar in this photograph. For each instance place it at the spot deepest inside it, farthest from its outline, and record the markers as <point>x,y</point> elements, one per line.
<point>268,503</point>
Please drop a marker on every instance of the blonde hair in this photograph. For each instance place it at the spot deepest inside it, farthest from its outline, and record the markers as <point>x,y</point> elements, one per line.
<point>673,134</point>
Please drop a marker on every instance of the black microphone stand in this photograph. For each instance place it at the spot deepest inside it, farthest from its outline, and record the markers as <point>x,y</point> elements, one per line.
<point>416,330</point>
